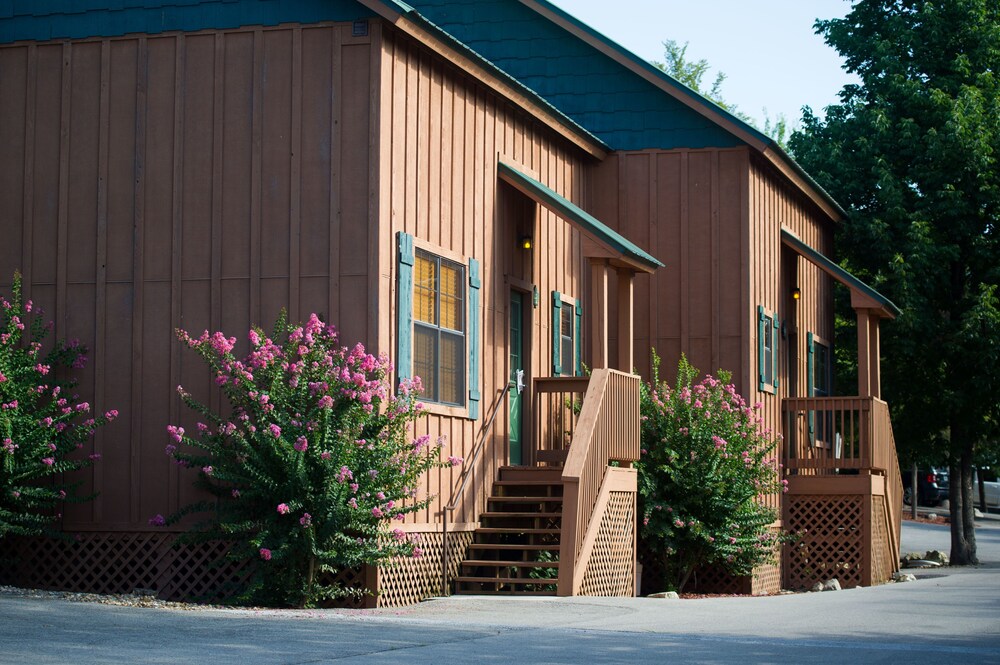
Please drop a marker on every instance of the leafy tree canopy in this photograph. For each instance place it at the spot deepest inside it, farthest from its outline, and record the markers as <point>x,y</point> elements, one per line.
<point>912,153</point>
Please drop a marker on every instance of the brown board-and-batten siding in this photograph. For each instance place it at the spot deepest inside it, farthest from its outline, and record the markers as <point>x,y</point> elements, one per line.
<point>688,207</point>
<point>440,139</point>
<point>201,181</point>
<point>774,272</point>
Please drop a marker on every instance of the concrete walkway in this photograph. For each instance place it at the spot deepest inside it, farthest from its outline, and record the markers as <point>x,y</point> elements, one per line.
<point>947,616</point>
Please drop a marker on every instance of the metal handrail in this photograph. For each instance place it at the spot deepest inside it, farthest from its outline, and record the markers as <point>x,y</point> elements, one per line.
<point>460,492</point>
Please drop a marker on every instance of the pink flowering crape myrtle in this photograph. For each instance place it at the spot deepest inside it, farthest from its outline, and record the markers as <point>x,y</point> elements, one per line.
<point>46,431</point>
<point>312,466</point>
<point>706,470</point>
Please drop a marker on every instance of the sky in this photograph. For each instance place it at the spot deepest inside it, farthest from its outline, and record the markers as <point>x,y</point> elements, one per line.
<point>767,49</point>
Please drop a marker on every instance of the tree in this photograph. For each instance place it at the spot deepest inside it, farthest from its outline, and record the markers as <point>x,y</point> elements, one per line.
<point>692,73</point>
<point>912,152</point>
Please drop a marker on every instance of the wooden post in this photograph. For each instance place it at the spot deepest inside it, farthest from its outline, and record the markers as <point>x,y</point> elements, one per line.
<point>864,353</point>
<point>599,315</point>
<point>626,320</point>
<point>875,362</point>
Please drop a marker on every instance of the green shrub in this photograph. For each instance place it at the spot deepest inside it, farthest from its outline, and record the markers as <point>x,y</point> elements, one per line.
<point>312,465</point>
<point>706,464</point>
<point>43,425</point>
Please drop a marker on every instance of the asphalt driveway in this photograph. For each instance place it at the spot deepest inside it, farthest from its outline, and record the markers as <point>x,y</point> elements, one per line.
<point>947,616</point>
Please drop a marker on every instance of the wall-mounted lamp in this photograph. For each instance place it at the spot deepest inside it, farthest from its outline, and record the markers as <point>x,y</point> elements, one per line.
<point>796,293</point>
<point>525,242</point>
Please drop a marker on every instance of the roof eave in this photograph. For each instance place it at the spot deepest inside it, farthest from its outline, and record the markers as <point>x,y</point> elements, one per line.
<point>411,22</point>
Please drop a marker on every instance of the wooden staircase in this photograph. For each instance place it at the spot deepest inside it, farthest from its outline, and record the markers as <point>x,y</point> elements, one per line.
<point>516,548</point>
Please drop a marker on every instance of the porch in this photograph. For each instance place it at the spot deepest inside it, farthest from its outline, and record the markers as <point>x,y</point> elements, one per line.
<point>844,499</point>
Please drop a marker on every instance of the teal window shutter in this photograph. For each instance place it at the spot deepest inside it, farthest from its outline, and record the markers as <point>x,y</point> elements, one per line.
<point>811,390</point>
<point>404,311</point>
<point>475,283</point>
<point>556,339</point>
<point>578,341</point>
<point>760,348</point>
<point>776,336</point>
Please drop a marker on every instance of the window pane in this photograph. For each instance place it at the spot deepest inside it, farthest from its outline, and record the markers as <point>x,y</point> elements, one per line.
<point>452,295</point>
<point>452,369</point>
<point>425,359</point>
<point>566,320</point>
<point>424,288</point>
<point>768,369</point>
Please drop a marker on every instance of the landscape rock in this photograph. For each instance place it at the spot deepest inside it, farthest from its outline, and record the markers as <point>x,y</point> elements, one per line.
<point>932,516</point>
<point>831,585</point>
<point>938,557</point>
<point>664,594</point>
<point>900,576</point>
<point>817,587</point>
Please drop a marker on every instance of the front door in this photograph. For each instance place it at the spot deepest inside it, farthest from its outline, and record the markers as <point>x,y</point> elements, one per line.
<point>517,377</point>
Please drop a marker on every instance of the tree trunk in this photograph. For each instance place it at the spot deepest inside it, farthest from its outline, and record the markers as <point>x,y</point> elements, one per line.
<point>963,507</point>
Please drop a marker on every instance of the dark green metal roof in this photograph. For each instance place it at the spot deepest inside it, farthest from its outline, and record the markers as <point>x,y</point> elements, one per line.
<point>839,273</point>
<point>568,210</point>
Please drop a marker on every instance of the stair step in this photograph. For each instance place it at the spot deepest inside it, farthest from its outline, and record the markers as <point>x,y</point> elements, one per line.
<point>526,483</point>
<point>512,546</point>
<point>519,530</point>
<point>525,499</point>
<point>530,473</point>
<point>494,592</point>
<point>501,514</point>
<point>504,580</point>
<point>510,564</point>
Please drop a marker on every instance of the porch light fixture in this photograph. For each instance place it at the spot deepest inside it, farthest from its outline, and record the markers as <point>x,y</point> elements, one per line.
<point>796,293</point>
<point>525,242</point>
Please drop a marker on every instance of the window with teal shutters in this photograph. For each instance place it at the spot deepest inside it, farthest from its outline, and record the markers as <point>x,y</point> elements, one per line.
<point>768,361</point>
<point>438,325</point>
<point>567,320</point>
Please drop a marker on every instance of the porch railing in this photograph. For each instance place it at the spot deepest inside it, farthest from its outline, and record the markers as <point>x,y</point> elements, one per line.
<point>607,431</point>
<point>557,405</point>
<point>828,435</point>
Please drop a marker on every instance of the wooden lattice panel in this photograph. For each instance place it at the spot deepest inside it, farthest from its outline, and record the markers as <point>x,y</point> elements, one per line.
<point>120,562</point>
<point>830,540</point>
<point>610,569</point>
<point>882,564</point>
<point>406,580</point>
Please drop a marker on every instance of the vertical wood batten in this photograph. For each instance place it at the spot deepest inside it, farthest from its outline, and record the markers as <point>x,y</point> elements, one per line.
<point>63,210</point>
<point>218,157</point>
<point>138,275</point>
<point>100,358</point>
<point>337,167</point>
<point>295,184</point>
<point>256,184</point>
<point>177,242</point>
<point>28,190</point>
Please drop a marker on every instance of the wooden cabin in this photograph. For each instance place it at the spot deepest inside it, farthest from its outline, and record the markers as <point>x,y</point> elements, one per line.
<point>461,185</point>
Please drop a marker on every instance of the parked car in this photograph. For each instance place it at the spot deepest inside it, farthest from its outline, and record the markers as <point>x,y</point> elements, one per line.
<point>992,486</point>
<point>932,486</point>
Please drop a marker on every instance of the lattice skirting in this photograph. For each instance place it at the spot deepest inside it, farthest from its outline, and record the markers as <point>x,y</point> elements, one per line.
<point>121,562</point>
<point>611,571</point>
<point>765,580</point>
<point>405,581</point>
<point>830,543</point>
